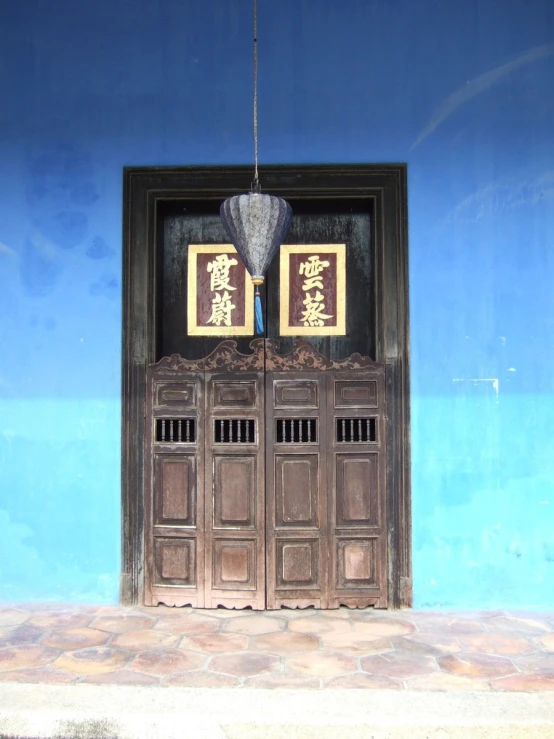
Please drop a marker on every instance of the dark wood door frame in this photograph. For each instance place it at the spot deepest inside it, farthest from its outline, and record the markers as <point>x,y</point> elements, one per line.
<point>384,187</point>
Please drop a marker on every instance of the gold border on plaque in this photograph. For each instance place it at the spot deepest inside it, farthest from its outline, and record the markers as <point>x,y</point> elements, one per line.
<point>247,329</point>
<point>284,290</point>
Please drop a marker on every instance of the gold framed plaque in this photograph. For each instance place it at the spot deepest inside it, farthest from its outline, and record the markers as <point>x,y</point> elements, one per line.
<point>220,294</point>
<point>312,290</point>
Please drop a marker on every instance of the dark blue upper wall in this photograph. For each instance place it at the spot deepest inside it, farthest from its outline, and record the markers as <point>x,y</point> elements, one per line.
<point>462,90</point>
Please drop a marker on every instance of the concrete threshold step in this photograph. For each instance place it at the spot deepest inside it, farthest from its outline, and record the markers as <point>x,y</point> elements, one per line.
<point>120,712</point>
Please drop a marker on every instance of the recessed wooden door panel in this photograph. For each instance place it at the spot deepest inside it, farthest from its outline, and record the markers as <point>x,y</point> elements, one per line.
<point>234,564</point>
<point>296,489</point>
<point>175,490</point>
<point>357,489</point>
<point>234,490</point>
<point>234,394</point>
<point>358,563</point>
<point>296,394</point>
<point>355,394</point>
<point>176,395</point>
<point>175,562</point>
<point>297,564</point>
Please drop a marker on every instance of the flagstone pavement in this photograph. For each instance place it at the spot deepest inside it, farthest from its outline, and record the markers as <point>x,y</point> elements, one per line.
<point>397,650</point>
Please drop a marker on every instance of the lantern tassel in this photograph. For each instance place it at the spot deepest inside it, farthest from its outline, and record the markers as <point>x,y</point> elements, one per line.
<point>258,312</point>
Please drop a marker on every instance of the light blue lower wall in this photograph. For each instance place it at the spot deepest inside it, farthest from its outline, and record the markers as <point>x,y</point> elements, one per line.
<point>461,91</point>
<point>60,473</point>
<point>483,506</point>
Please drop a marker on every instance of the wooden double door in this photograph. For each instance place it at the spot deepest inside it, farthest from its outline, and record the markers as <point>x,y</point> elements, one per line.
<point>265,480</point>
<point>174,546</point>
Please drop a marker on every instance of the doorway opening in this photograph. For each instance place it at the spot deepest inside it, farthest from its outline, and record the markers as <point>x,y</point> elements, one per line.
<point>271,471</point>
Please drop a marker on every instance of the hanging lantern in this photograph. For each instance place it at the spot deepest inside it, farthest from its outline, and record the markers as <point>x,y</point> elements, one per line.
<point>256,225</point>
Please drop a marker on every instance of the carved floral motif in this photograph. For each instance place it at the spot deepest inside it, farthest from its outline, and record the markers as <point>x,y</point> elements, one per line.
<point>265,356</point>
<point>305,357</point>
<point>225,357</point>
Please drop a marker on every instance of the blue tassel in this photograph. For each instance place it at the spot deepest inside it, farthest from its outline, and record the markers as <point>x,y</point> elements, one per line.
<point>258,313</point>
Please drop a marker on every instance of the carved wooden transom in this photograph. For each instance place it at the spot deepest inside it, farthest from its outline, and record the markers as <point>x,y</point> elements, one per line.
<point>265,357</point>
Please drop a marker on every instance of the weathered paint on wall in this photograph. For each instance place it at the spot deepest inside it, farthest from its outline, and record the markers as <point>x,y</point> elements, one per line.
<point>461,90</point>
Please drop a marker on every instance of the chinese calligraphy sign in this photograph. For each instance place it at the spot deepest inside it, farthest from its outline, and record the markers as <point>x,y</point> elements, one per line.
<point>312,290</point>
<point>220,293</point>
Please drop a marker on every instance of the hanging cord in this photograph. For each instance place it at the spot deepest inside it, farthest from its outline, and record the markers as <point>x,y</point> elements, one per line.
<point>256,183</point>
<point>258,311</point>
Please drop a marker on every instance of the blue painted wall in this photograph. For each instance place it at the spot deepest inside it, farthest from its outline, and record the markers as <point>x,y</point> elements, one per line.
<point>462,90</point>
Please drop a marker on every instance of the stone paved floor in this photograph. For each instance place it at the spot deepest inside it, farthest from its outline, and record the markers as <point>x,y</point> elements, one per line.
<point>402,650</point>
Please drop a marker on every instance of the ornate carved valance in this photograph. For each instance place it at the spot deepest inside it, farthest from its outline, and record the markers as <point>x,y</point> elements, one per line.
<point>265,357</point>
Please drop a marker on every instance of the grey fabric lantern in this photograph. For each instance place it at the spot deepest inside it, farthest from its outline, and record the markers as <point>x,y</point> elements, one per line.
<point>256,224</point>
